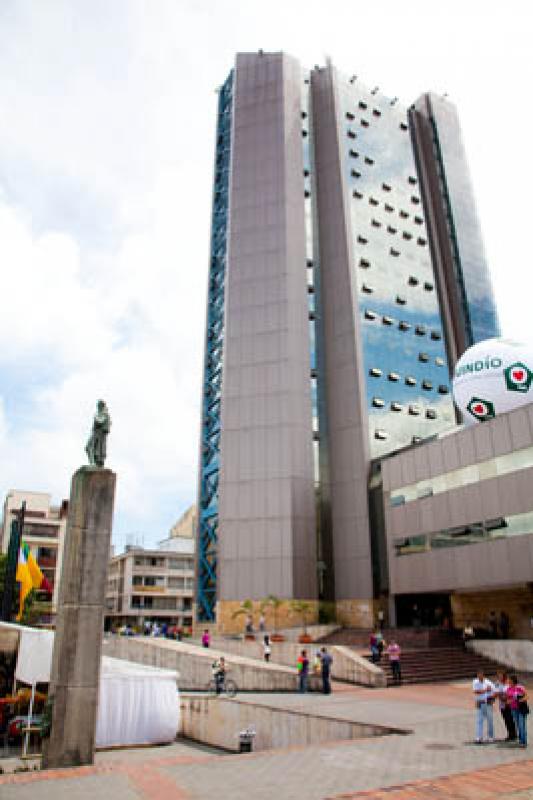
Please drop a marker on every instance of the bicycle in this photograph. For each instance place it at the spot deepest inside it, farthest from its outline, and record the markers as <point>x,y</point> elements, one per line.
<point>226,685</point>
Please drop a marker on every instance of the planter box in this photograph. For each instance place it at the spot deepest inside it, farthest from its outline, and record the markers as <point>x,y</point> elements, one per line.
<point>304,638</point>
<point>277,637</point>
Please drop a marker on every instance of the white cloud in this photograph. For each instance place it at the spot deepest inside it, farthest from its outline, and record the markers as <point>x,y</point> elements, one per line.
<point>106,152</point>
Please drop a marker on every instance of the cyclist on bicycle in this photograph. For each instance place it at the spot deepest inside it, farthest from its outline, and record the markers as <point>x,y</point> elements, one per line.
<point>219,673</point>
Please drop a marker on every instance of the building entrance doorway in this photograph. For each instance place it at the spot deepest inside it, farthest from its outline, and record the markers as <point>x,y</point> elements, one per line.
<point>423,610</point>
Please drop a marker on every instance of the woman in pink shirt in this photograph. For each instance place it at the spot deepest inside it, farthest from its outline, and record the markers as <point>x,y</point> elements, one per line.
<point>518,701</point>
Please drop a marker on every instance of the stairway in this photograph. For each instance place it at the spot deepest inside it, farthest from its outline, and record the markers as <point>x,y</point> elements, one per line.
<point>407,638</point>
<point>438,664</point>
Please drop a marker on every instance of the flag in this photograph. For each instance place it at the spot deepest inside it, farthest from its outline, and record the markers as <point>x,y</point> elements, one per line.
<point>29,576</point>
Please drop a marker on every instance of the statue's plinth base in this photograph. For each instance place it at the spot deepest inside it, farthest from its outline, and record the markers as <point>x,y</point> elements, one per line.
<point>79,623</point>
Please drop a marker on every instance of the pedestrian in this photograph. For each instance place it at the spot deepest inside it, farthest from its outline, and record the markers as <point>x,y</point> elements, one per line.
<point>484,694</point>
<point>325,662</point>
<point>517,695</point>
<point>374,652</point>
<point>468,634</point>
<point>262,623</point>
<point>381,619</point>
<point>380,641</point>
<point>249,627</point>
<point>493,625</point>
<point>501,686</point>
<point>206,638</point>
<point>267,649</point>
<point>394,653</point>
<point>303,671</point>
<point>504,625</point>
<point>317,664</point>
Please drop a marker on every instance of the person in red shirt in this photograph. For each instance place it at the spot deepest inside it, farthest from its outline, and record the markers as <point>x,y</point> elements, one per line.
<point>518,700</point>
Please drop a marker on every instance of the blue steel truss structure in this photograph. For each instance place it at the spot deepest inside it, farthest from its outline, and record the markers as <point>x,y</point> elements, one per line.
<point>206,591</point>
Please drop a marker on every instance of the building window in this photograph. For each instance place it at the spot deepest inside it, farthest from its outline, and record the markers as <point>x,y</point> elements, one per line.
<point>363,105</point>
<point>420,330</point>
<point>366,288</point>
<point>304,133</point>
<point>404,326</point>
<point>373,201</point>
<point>423,357</point>
<point>370,314</point>
<point>387,320</point>
<point>404,214</point>
<point>369,160</point>
<point>389,208</point>
<point>394,252</point>
<point>428,286</point>
<point>362,240</point>
<point>392,230</point>
<point>306,173</point>
<point>436,336</point>
<point>365,123</point>
<point>376,112</point>
<point>352,134</point>
<point>377,402</point>
<point>386,187</point>
<point>357,194</point>
<point>309,262</point>
<point>307,193</point>
<point>418,220</point>
<point>396,406</point>
<point>354,154</point>
<point>376,223</point>
<point>407,236</point>
<point>380,434</point>
<point>439,361</point>
<point>393,376</point>
<point>364,262</point>
<point>375,372</point>
<point>415,199</point>
<point>443,389</point>
<point>400,300</point>
<point>355,174</point>
<point>410,381</point>
<point>403,126</point>
<point>431,413</point>
<point>412,179</point>
<point>414,410</point>
<point>427,385</point>
<point>349,115</point>
<point>421,241</point>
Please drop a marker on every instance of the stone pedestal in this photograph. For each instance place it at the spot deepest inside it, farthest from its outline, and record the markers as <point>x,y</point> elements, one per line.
<point>79,624</point>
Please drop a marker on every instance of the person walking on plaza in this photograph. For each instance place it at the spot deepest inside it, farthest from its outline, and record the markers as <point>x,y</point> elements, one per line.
<point>501,686</point>
<point>267,649</point>
<point>303,671</point>
<point>325,663</point>
<point>205,638</point>
<point>394,653</point>
<point>381,619</point>
<point>374,647</point>
<point>517,695</point>
<point>484,694</point>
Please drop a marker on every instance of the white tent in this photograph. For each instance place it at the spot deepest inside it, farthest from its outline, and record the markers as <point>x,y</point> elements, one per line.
<point>137,704</point>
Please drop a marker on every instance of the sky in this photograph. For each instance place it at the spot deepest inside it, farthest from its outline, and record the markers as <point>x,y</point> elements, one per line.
<point>107,132</point>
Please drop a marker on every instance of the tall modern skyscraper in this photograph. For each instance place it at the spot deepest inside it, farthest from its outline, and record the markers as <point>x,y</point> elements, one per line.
<point>347,275</point>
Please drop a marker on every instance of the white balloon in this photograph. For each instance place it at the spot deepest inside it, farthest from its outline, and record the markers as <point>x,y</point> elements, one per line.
<point>493,377</point>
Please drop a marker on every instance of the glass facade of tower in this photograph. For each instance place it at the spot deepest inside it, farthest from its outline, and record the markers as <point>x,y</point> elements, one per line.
<point>406,372</point>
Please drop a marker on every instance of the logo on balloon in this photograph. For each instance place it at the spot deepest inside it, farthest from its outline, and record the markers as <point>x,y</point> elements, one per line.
<point>481,409</point>
<point>518,377</point>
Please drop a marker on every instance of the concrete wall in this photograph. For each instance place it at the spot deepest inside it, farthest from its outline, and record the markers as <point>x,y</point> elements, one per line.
<point>217,721</point>
<point>193,664</point>
<point>491,564</point>
<point>347,419</point>
<point>347,665</point>
<point>515,653</point>
<point>267,531</point>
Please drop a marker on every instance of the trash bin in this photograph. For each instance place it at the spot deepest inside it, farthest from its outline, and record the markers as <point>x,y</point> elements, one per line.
<point>246,740</point>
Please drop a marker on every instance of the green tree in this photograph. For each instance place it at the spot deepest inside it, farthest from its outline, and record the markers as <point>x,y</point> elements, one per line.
<point>246,607</point>
<point>275,604</point>
<point>301,608</point>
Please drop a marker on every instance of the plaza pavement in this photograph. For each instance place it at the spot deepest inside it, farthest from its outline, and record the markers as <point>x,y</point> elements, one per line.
<point>438,760</point>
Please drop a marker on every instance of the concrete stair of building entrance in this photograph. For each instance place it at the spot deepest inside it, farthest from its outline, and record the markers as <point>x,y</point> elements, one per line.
<point>433,665</point>
<point>407,638</point>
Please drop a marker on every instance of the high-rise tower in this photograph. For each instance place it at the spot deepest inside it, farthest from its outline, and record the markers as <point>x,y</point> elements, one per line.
<point>347,274</point>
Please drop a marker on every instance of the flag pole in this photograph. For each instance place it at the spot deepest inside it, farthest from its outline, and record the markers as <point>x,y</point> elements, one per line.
<point>15,539</point>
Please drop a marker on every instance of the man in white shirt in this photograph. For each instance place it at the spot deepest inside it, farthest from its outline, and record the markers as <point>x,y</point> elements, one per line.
<point>484,696</point>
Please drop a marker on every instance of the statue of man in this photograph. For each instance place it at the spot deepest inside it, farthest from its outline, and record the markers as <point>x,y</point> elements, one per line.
<point>96,446</point>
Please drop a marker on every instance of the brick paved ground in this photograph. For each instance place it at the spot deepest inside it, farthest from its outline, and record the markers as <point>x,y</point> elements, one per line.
<point>393,767</point>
